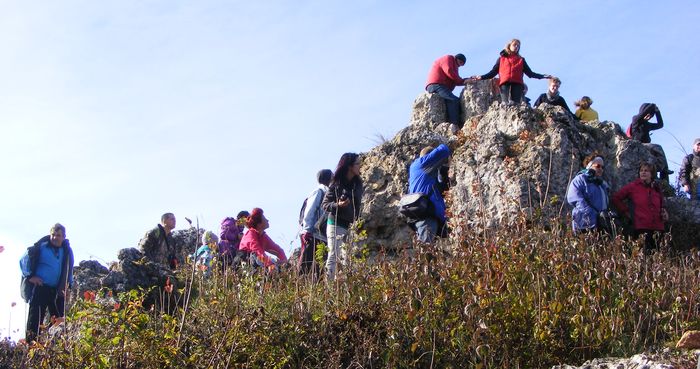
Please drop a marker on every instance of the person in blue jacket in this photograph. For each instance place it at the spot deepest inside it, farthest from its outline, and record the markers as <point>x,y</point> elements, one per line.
<point>47,272</point>
<point>588,193</point>
<point>423,178</point>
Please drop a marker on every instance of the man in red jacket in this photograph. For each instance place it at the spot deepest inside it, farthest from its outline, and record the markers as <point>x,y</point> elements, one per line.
<point>442,80</point>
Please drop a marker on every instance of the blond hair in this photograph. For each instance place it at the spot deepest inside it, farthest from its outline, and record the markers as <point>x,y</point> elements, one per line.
<point>555,80</point>
<point>507,48</point>
<point>426,150</point>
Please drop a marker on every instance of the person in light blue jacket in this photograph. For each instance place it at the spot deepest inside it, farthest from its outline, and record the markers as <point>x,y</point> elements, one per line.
<point>588,193</point>
<point>423,178</point>
<point>47,272</point>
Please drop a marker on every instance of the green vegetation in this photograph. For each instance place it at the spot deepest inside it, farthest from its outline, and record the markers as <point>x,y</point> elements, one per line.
<point>527,297</point>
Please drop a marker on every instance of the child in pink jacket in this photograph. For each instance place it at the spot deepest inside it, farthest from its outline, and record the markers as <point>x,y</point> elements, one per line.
<point>257,242</point>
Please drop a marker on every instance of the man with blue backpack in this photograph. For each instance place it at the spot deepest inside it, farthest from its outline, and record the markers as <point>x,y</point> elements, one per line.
<point>313,219</point>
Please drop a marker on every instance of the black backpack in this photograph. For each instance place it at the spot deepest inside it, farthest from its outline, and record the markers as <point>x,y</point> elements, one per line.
<point>416,206</point>
<point>322,220</point>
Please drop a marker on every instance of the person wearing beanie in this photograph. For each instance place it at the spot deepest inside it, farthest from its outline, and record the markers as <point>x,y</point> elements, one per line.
<point>689,175</point>
<point>510,67</point>
<point>442,80</point>
<point>588,194</point>
<point>313,224</point>
<point>256,242</point>
<point>552,96</point>
<point>584,112</point>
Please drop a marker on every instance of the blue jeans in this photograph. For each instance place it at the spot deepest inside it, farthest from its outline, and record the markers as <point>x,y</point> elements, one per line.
<point>426,229</point>
<point>451,101</point>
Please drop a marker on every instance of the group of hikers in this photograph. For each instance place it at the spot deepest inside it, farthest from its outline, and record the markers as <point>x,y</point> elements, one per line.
<point>334,204</point>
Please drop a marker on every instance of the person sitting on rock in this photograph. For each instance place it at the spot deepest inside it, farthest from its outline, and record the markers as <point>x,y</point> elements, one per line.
<point>640,130</point>
<point>510,67</point>
<point>647,200</point>
<point>423,178</point>
<point>205,254</point>
<point>689,175</point>
<point>588,194</point>
<point>552,96</point>
<point>231,234</point>
<point>312,231</point>
<point>442,80</point>
<point>158,244</point>
<point>584,112</point>
<point>256,242</point>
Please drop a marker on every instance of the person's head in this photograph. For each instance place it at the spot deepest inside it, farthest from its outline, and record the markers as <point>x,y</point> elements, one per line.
<point>57,234</point>
<point>348,168</point>
<point>554,84</point>
<point>595,162</point>
<point>426,150</point>
<point>210,238</point>
<point>461,59</point>
<point>257,220</point>
<point>513,46</point>
<point>167,220</point>
<point>324,176</point>
<point>242,217</point>
<point>647,171</point>
<point>646,110</point>
<point>584,103</point>
<point>696,146</point>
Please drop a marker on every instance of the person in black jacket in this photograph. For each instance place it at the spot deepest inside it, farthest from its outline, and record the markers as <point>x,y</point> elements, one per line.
<point>342,202</point>
<point>47,271</point>
<point>640,130</point>
<point>552,96</point>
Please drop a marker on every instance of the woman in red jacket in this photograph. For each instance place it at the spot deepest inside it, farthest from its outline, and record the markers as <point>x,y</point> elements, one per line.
<point>256,242</point>
<point>648,213</point>
<point>510,67</point>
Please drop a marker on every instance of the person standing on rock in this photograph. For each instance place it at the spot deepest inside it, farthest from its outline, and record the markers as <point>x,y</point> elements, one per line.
<point>313,233</point>
<point>342,202</point>
<point>588,193</point>
<point>158,244</point>
<point>689,175</point>
<point>648,214</point>
<point>423,178</point>
<point>552,96</point>
<point>442,80</point>
<point>584,112</point>
<point>640,130</point>
<point>47,272</point>
<point>510,67</point>
<point>256,242</point>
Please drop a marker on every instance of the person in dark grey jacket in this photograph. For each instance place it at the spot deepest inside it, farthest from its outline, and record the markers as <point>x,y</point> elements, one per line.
<point>342,202</point>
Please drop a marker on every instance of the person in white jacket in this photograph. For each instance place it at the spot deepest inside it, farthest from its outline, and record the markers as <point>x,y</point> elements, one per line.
<point>313,222</point>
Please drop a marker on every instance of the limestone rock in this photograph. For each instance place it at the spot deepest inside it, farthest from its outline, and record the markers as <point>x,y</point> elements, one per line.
<point>690,340</point>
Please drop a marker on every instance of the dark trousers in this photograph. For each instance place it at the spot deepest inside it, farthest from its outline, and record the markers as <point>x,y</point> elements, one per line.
<point>451,102</point>
<point>307,256</point>
<point>43,297</point>
<point>511,92</point>
<point>650,237</point>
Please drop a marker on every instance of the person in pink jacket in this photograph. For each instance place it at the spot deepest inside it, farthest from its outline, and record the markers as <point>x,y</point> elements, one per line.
<point>648,213</point>
<point>256,242</point>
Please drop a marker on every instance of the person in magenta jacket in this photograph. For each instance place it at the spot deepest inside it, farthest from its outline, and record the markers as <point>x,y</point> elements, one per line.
<point>256,242</point>
<point>510,67</point>
<point>442,80</point>
<point>648,213</point>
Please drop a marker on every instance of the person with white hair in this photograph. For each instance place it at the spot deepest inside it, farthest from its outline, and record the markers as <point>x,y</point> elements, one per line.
<point>588,193</point>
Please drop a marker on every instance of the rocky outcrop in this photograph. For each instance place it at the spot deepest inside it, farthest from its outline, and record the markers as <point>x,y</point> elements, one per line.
<point>516,162</point>
<point>651,361</point>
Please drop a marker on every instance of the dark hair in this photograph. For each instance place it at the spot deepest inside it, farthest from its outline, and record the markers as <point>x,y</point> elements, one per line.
<point>58,227</point>
<point>461,58</point>
<point>166,216</point>
<point>344,164</point>
<point>254,218</point>
<point>324,176</point>
<point>242,213</point>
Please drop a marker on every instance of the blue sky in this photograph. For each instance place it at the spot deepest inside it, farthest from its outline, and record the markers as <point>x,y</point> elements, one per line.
<point>114,112</point>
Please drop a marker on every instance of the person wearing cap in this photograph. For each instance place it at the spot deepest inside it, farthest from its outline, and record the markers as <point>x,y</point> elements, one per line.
<point>588,194</point>
<point>442,80</point>
<point>689,174</point>
<point>510,67</point>
<point>312,231</point>
<point>256,242</point>
<point>647,213</point>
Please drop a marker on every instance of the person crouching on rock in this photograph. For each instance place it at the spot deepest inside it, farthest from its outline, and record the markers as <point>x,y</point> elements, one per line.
<point>647,200</point>
<point>584,112</point>
<point>256,242</point>
<point>588,194</point>
<point>442,80</point>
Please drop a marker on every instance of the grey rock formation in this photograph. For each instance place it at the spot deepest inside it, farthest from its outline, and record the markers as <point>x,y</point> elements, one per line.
<point>635,362</point>
<point>516,162</point>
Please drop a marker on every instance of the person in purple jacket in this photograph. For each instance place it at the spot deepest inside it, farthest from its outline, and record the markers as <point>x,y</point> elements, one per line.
<point>230,237</point>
